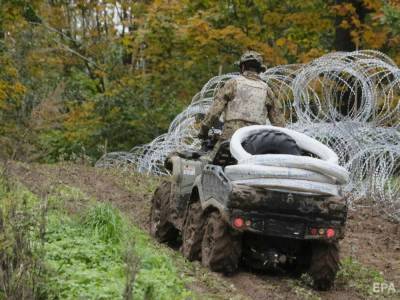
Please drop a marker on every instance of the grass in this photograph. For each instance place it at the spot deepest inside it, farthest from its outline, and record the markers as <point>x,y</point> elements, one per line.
<point>158,277</point>
<point>89,257</point>
<point>68,199</point>
<point>76,248</point>
<point>91,251</point>
<point>80,264</point>
<point>303,292</point>
<point>162,273</point>
<point>21,231</point>
<point>105,222</point>
<point>135,183</point>
<point>302,288</point>
<point>353,275</point>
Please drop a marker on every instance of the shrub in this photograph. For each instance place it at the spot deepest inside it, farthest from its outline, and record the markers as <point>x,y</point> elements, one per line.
<point>21,227</point>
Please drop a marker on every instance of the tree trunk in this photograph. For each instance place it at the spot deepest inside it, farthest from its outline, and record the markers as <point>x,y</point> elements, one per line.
<point>343,40</point>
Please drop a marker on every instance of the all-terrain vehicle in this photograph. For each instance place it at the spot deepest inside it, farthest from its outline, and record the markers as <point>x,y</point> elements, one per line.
<point>223,224</point>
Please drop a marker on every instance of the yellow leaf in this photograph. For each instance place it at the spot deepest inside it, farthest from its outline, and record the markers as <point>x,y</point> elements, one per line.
<point>280,42</point>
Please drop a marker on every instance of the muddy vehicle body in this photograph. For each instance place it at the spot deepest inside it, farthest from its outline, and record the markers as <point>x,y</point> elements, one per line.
<point>223,224</point>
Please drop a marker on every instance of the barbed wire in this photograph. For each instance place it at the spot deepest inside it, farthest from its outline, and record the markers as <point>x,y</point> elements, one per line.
<point>349,101</point>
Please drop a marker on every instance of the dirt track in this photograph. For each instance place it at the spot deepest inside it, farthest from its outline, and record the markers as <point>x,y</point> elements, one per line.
<point>370,239</point>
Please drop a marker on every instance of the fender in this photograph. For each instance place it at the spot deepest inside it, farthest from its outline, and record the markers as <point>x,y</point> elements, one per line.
<point>214,190</point>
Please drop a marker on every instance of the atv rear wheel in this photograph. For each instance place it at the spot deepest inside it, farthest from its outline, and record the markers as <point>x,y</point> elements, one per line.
<point>324,265</point>
<point>160,227</point>
<point>192,232</point>
<point>221,248</point>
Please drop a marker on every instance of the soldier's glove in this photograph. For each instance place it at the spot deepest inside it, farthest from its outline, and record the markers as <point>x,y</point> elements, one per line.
<point>203,133</point>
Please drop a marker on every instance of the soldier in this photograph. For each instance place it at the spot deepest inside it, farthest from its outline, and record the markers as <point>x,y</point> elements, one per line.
<point>244,100</point>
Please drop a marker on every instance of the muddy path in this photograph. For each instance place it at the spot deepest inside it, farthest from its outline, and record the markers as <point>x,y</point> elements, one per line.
<point>370,238</point>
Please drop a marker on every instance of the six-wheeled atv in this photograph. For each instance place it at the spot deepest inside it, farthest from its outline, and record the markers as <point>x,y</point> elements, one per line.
<point>223,224</point>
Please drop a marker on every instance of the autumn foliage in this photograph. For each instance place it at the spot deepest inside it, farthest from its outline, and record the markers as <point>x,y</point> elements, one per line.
<point>78,77</point>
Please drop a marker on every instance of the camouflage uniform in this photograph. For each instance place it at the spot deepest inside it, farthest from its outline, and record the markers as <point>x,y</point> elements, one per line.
<point>245,101</point>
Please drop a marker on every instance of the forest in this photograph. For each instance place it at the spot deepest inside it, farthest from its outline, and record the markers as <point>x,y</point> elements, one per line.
<point>81,78</point>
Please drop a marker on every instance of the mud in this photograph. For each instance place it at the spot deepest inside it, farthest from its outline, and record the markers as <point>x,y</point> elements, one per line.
<point>374,241</point>
<point>370,238</point>
<point>122,189</point>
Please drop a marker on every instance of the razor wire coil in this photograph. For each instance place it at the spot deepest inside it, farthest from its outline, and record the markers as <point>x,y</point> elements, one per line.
<point>349,101</point>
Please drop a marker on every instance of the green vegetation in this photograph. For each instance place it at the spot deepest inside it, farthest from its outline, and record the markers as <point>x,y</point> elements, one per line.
<point>352,276</point>
<point>158,277</point>
<point>80,264</point>
<point>302,288</point>
<point>356,276</point>
<point>95,254</point>
<point>21,238</point>
<point>105,222</point>
<point>86,259</point>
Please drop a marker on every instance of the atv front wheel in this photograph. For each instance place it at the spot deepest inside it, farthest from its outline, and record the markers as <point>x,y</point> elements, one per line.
<point>160,227</point>
<point>221,248</point>
<point>324,265</point>
<point>192,233</point>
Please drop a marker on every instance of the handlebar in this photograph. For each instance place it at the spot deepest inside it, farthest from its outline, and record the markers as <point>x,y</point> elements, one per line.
<point>213,136</point>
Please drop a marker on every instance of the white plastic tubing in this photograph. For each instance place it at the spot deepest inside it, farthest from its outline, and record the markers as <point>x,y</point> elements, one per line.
<point>298,174</point>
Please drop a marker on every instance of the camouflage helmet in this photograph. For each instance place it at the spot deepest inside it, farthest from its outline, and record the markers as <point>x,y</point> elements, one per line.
<point>252,56</point>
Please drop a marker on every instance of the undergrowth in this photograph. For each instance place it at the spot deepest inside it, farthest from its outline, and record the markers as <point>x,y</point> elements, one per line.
<point>21,235</point>
<point>302,287</point>
<point>355,275</point>
<point>105,222</point>
<point>81,265</point>
<point>68,246</point>
<point>98,254</point>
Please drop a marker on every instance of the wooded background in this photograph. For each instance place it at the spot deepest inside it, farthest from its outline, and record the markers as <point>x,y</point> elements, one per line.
<point>80,77</point>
